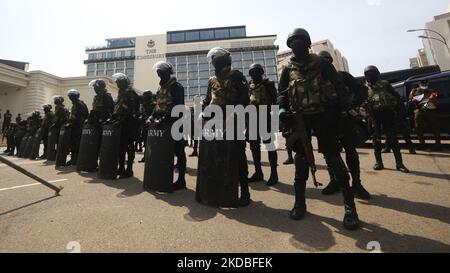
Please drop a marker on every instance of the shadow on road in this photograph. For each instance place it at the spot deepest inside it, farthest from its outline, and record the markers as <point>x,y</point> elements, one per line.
<point>131,186</point>
<point>28,205</point>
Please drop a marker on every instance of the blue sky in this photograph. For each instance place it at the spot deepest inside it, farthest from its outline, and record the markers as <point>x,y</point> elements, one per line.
<point>52,34</point>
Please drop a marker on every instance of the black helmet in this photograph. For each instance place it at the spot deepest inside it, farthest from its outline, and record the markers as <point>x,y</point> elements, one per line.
<point>47,107</point>
<point>100,84</point>
<point>371,68</point>
<point>256,67</point>
<point>163,66</point>
<point>58,99</point>
<point>147,95</point>
<point>297,33</point>
<point>219,52</point>
<point>326,55</point>
<point>73,94</point>
<point>120,77</point>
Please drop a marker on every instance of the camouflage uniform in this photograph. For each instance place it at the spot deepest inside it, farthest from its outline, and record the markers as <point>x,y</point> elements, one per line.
<point>126,112</point>
<point>102,107</point>
<point>384,104</point>
<point>314,88</point>
<point>263,94</point>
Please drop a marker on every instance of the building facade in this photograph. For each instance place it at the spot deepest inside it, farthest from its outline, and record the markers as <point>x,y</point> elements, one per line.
<point>186,50</point>
<point>23,91</point>
<point>437,52</point>
<point>340,62</point>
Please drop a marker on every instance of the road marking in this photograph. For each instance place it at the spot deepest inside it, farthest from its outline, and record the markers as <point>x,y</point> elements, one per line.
<point>31,185</point>
<point>23,163</point>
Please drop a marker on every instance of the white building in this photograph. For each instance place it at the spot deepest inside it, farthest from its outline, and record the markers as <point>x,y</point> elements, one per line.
<point>23,91</point>
<point>340,62</point>
<point>186,50</point>
<point>438,53</point>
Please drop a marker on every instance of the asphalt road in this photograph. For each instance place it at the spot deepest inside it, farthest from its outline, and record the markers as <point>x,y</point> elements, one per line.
<point>408,213</point>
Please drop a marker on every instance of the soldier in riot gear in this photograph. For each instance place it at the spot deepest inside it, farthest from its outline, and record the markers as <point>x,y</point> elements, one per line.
<point>262,92</point>
<point>310,86</point>
<point>347,134</point>
<point>148,106</point>
<point>170,94</point>
<point>45,125</point>
<point>126,112</point>
<point>103,104</point>
<point>19,137</point>
<point>78,114</point>
<point>227,87</point>
<point>10,132</point>
<point>61,114</point>
<point>383,104</point>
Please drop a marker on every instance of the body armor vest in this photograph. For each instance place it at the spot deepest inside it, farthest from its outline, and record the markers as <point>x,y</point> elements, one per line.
<point>223,90</point>
<point>309,91</point>
<point>164,98</point>
<point>380,98</point>
<point>259,93</point>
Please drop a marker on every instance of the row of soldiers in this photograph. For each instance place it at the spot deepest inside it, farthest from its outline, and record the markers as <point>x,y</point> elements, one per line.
<point>312,96</point>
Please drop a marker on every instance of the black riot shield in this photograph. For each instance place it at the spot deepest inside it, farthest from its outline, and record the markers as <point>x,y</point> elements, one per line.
<point>36,144</point>
<point>63,146</point>
<point>22,146</point>
<point>51,144</point>
<point>89,147</point>
<point>109,152</point>
<point>159,158</point>
<point>217,180</point>
<point>28,146</point>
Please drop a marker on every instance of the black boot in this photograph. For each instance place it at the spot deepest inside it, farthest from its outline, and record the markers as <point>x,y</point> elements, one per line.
<point>399,160</point>
<point>299,210</point>
<point>379,159</point>
<point>273,159</point>
<point>128,173</point>
<point>360,191</point>
<point>332,188</point>
<point>181,182</point>
<point>351,219</point>
<point>244,200</point>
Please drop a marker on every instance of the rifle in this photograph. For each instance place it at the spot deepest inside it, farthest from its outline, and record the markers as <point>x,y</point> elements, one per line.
<point>300,133</point>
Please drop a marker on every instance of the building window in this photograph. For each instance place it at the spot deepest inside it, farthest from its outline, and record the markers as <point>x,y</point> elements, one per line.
<point>270,62</point>
<point>182,75</point>
<point>110,65</point>
<point>100,73</point>
<point>109,73</point>
<point>183,83</point>
<point>237,32</point>
<point>204,74</point>
<point>122,54</point>
<point>92,56</point>
<point>120,65</point>
<point>236,56</point>
<point>111,55</point>
<point>172,60</point>
<point>129,72</point>
<point>222,33</point>
<point>270,54</point>
<point>204,67</point>
<point>206,34</point>
<point>193,75</point>
<point>100,66</point>
<point>182,68</point>
<point>247,56</point>
<point>91,73</point>
<point>203,90</point>
<point>91,67</point>
<point>247,64</point>
<point>120,70</point>
<point>259,54</point>
<point>181,60</point>
<point>204,82</point>
<point>176,37</point>
<point>271,70</point>
<point>130,64</point>
<point>193,67</point>
<point>192,36</point>
<point>192,59</point>
<point>193,82</point>
<point>202,59</point>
